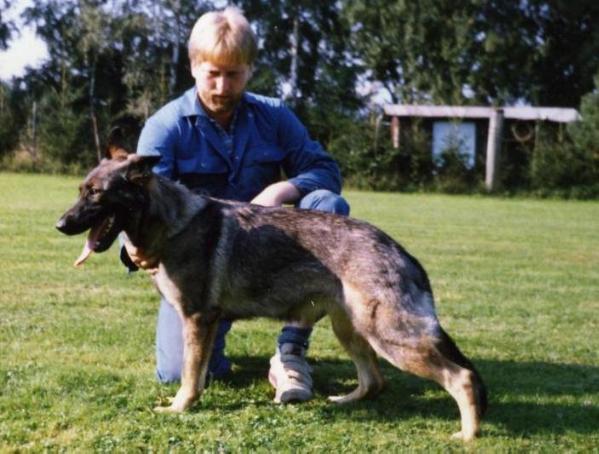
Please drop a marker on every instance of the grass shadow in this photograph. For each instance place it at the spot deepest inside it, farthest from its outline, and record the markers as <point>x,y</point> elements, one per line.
<point>541,397</point>
<point>524,397</point>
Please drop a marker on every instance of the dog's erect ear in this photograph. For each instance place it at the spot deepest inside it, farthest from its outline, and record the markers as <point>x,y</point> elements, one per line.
<point>122,138</point>
<point>139,168</point>
<point>116,146</point>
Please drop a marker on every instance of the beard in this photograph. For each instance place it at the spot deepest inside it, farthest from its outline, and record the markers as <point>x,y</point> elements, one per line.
<point>220,104</point>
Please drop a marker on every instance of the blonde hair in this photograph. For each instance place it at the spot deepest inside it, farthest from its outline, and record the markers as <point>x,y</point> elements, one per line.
<point>222,37</point>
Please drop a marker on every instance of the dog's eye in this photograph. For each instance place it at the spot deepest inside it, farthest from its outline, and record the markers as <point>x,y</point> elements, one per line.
<point>94,191</point>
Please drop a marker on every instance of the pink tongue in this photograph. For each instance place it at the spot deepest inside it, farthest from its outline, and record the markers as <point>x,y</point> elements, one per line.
<point>85,253</point>
<point>92,237</point>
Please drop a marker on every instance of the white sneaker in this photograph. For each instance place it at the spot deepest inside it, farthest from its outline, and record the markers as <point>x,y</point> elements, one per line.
<point>289,374</point>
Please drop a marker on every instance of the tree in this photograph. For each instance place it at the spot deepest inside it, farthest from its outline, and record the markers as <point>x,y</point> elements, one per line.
<point>467,51</point>
<point>119,58</point>
<point>78,36</point>
<point>548,49</point>
<point>153,37</point>
<point>419,51</point>
<point>306,58</point>
<point>585,138</point>
<point>11,119</point>
<point>6,26</point>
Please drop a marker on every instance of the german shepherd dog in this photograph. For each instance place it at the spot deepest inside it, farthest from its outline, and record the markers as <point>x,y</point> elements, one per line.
<point>235,260</point>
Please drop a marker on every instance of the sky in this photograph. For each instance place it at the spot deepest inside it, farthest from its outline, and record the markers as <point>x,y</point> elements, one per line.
<point>24,50</point>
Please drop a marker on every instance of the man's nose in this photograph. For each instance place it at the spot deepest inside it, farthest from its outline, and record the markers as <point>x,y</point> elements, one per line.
<point>223,85</point>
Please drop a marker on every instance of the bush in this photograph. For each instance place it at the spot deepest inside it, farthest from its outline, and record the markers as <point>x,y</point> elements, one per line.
<point>566,159</point>
<point>452,174</point>
<point>369,161</point>
<point>366,157</point>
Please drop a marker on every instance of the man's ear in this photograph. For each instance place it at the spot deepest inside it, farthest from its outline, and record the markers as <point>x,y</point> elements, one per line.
<point>195,70</point>
<point>139,168</point>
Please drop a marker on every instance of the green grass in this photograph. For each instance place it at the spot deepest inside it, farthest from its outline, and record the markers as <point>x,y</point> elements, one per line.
<point>516,283</point>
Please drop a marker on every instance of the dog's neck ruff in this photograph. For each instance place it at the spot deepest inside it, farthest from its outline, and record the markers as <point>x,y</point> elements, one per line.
<point>173,204</point>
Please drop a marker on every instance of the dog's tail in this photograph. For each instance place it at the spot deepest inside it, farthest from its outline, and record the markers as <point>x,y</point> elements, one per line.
<point>447,347</point>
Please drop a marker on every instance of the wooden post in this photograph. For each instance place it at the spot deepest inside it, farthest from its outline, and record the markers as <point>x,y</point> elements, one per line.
<point>395,129</point>
<point>493,148</point>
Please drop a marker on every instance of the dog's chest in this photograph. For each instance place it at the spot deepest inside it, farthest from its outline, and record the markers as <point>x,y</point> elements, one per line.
<point>167,287</point>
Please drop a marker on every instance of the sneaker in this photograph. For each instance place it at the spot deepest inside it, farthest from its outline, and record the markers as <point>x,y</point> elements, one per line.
<point>289,374</point>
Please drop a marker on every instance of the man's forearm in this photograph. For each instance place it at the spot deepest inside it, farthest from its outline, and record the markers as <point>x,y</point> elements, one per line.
<point>277,194</point>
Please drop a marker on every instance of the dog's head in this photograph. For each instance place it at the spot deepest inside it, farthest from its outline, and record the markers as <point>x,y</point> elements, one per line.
<point>109,199</point>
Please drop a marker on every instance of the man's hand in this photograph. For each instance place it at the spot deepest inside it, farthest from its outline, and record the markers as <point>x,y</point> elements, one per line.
<point>139,258</point>
<point>277,194</point>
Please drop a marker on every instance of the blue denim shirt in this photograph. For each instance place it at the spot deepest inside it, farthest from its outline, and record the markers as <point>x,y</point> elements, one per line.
<point>268,138</point>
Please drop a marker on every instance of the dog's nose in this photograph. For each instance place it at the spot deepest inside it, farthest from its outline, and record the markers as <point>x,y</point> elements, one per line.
<point>61,225</point>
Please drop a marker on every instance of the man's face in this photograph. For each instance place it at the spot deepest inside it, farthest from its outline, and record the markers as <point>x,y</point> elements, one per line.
<point>220,87</point>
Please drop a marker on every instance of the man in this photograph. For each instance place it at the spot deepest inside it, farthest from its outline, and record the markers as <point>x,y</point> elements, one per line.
<point>222,141</point>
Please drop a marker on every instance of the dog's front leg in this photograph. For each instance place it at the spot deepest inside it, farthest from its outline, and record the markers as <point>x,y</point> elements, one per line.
<point>199,332</point>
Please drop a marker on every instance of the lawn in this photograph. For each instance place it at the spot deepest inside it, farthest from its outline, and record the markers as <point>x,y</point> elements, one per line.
<point>516,284</point>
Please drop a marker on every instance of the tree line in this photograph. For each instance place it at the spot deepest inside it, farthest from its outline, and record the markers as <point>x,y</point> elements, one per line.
<point>117,60</point>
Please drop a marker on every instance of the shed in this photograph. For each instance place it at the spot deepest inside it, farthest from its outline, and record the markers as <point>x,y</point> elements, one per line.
<point>493,117</point>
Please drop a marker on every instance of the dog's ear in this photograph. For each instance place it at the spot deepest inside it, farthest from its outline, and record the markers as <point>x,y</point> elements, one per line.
<point>117,146</point>
<point>139,168</point>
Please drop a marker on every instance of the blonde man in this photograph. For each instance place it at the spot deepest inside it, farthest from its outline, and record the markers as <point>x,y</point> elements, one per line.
<point>222,141</point>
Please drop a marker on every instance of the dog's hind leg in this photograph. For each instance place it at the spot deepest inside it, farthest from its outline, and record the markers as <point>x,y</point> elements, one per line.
<point>370,380</point>
<point>437,358</point>
<point>465,385</point>
<point>198,337</point>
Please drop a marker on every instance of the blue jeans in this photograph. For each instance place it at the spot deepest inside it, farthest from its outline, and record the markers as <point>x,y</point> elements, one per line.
<point>169,331</point>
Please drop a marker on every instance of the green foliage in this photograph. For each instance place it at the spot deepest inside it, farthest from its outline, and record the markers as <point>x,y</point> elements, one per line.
<point>515,284</point>
<point>585,140</point>
<point>325,73</point>
<point>453,174</point>
<point>369,161</point>
<point>420,51</point>
<point>10,120</point>
<point>61,130</point>
<point>469,51</point>
<point>566,160</point>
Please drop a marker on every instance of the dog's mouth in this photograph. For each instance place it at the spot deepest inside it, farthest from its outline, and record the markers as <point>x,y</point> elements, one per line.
<point>99,238</point>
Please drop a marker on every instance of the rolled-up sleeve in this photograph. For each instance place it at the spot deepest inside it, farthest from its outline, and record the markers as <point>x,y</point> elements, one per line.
<point>158,140</point>
<point>307,166</point>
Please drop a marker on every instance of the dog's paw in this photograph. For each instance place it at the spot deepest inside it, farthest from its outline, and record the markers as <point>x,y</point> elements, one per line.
<point>356,394</point>
<point>167,409</point>
<point>463,437</point>
<point>344,399</point>
<point>172,406</point>
<point>177,404</point>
